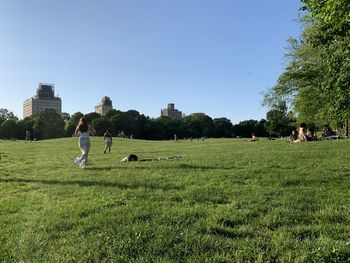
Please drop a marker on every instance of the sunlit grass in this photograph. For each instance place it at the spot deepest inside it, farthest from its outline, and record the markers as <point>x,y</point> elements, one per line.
<point>225,200</point>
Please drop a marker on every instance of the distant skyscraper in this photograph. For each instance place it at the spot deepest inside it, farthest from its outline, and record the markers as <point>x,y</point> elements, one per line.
<point>171,112</point>
<point>104,106</point>
<point>44,99</point>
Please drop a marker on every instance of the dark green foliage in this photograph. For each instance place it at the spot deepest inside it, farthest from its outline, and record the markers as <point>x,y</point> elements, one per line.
<point>100,125</point>
<point>5,114</point>
<point>279,121</point>
<point>65,116</point>
<point>72,123</point>
<point>222,128</point>
<point>246,128</point>
<point>8,124</point>
<point>199,125</point>
<point>92,116</point>
<point>133,123</point>
<point>48,124</point>
<point>9,129</point>
<point>24,125</point>
<point>168,127</point>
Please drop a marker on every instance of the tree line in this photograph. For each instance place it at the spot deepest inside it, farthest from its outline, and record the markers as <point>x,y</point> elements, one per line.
<point>316,80</point>
<point>49,124</point>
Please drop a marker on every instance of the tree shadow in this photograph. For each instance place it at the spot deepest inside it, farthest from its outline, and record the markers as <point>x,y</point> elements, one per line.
<point>149,185</point>
<point>109,168</point>
<point>232,233</point>
<point>103,168</point>
<point>149,167</point>
<point>204,167</point>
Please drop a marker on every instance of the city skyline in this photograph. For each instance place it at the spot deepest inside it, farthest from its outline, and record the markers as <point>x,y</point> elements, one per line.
<point>46,91</point>
<point>204,56</point>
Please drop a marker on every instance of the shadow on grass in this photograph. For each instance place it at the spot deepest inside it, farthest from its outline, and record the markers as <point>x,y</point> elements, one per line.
<point>204,167</point>
<point>232,233</point>
<point>148,167</point>
<point>149,185</point>
<point>103,168</point>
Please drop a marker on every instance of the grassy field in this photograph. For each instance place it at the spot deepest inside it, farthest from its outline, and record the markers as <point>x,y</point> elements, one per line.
<point>226,200</point>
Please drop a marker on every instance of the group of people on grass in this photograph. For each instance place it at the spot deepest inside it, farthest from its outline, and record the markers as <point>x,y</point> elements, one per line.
<point>82,130</point>
<point>303,134</point>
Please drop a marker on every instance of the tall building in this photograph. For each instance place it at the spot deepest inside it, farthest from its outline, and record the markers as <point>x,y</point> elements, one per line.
<point>171,112</point>
<point>104,106</point>
<point>44,99</point>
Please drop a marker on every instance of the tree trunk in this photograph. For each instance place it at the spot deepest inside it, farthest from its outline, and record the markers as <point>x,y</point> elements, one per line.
<point>346,128</point>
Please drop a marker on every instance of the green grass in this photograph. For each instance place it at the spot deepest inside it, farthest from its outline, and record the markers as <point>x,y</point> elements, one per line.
<point>226,200</point>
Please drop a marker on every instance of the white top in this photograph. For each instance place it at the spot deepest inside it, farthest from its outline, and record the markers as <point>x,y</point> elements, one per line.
<point>84,134</point>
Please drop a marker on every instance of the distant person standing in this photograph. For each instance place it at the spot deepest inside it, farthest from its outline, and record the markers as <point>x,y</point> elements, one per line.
<point>84,142</point>
<point>107,137</point>
<point>28,136</point>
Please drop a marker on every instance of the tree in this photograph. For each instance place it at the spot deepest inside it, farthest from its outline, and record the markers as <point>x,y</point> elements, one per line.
<point>65,116</point>
<point>9,129</point>
<point>72,123</point>
<point>278,121</point>
<point>5,114</point>
<point>100,125</point>
<point>129,122</point>
<point>111,113</point>
<point>92,116</point>
<point>48,124</point>
<point>154,129</point>
<point>245,128</point>
<point>260,128</point>
<point>317,78</point>
<point>25,125</point>
<point>144,122</point>
<point>332,17</point>
<point>199,125</point>
<point>222,127</point>
<point>165,128</point>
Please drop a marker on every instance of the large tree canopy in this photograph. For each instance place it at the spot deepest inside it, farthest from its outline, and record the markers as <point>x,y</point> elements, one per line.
<point>316,80</point>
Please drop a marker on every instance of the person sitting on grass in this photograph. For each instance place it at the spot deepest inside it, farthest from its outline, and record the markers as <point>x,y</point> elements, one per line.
<point>107,137</point>
<point>310,135</point>
<point>254,138</point>
<point>329,134</point>
<point>293,137</point>
<point>301,133</point>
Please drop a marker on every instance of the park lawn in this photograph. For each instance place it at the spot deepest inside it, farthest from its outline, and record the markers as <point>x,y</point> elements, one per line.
<point>225,200</point>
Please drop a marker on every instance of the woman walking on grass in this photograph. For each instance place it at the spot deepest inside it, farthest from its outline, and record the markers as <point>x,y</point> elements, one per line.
<point>84,142</point>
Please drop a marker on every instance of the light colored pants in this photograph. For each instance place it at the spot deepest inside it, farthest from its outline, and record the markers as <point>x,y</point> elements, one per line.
<point>84,145</point>
<point>108,145</point>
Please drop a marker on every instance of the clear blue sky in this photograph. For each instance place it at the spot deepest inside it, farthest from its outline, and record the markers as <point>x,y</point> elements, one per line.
<point>211,56</point>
